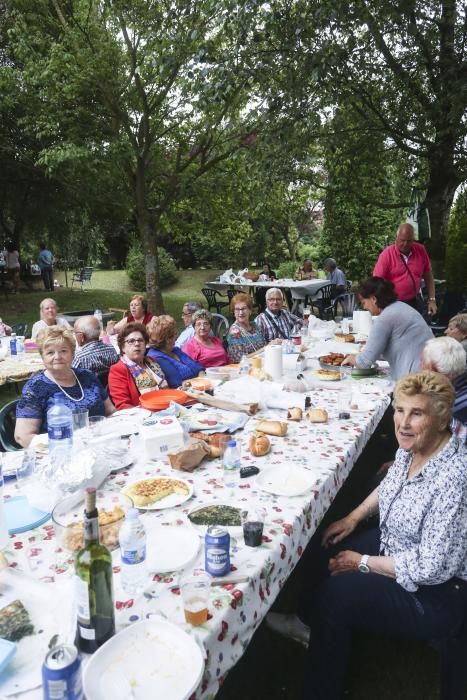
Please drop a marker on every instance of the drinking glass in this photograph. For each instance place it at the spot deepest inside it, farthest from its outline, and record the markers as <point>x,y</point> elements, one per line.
<point>25,470</point>
<point>80,419</point>
<point>253,523</point>
<point>195,595</point>
<point>96,424</point>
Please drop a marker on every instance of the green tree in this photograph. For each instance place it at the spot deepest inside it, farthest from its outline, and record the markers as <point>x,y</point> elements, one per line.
<point>456,254</point>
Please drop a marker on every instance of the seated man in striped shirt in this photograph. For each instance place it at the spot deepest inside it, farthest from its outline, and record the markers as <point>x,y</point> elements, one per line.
<point>92,353</point>
<point>275,322</point>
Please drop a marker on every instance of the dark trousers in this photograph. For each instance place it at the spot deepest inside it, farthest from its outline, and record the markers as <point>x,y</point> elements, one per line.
<point>339,604</point>
<point>48,278</point>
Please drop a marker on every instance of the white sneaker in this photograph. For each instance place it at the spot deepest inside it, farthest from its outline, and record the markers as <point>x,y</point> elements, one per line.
<point>289,626</point>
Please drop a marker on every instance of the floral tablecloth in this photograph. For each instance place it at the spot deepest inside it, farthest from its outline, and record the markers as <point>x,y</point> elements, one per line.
<point>20,369</point>
<point>327,451</point>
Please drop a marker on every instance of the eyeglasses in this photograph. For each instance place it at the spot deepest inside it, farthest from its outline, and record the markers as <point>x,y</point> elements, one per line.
<point>274,299</point>
<point>134,341</point>
<point>186,313</point>
<point>242,309</point>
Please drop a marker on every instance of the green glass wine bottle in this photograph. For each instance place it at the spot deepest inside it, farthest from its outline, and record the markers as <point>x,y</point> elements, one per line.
<point>93,581</point>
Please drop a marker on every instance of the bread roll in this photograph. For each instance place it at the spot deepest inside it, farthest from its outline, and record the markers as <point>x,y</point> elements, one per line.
<point>344,338</point>
<point>294,413</point>
<point>272,427</point>
<point>317,415</point>
<point>259,444</point>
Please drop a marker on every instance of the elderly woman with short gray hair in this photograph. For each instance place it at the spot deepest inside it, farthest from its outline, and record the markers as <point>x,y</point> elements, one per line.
<point>457,329</point>
<point>205,348</point>
<point>448,357</point>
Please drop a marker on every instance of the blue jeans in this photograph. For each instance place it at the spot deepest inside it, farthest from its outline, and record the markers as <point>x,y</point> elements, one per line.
<point>372,602</point>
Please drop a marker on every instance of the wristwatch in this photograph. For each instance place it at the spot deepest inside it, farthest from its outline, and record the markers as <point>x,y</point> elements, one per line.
<point>432,299</point>
<point>363,566</point>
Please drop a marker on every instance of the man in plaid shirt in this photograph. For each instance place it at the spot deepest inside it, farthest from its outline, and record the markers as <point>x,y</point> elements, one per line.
<point>276,322</point>
<point>92,353</point>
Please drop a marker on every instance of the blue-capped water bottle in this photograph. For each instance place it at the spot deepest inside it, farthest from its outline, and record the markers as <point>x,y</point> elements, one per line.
<point>60,428</point>
<point>244,366</point>
<point>231,465</point>
<point>13,347</point>
<point>132,538</point>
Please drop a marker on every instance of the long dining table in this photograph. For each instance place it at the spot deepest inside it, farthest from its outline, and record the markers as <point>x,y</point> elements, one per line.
<point>327,453</point>
<point>299,289</point>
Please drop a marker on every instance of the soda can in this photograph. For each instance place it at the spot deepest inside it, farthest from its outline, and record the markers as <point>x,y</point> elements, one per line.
<point>61,674</point>
<point>217,551</point>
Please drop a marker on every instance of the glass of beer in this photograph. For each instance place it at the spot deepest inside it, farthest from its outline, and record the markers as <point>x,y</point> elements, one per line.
<point>195,595</point>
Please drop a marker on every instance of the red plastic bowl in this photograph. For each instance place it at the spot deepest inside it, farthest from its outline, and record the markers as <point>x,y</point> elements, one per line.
<point>161,398</point>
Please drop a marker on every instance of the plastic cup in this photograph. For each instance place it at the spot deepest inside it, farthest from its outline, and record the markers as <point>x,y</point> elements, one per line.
<point>95,425</point>
<point>80,419</point>
<point>253,524</point>
<point>195,595</point>
<point>25,470</point>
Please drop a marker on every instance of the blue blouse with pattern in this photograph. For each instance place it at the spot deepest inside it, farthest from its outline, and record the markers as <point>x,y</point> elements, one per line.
<point>38,392</point>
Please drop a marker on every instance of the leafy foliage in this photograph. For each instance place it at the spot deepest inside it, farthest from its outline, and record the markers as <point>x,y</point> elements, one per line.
<point>136,267</point>
<point>456,254</point>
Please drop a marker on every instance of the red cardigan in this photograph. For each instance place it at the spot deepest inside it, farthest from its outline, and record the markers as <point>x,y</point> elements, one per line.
<point>122,388</point>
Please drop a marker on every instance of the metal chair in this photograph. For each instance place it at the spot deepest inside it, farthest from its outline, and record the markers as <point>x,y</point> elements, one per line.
<point>219,325</point>
<point>84,275</point>
<point>324,303</point>
<point>7,427</point>
<point>344,304</point>
<point>213,302</point>
<point>20,328</point>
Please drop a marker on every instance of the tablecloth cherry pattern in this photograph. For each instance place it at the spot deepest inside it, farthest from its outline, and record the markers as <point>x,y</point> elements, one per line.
<point>236,610</point>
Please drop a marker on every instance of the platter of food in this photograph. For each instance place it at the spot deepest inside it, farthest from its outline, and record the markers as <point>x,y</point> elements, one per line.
<point>285,481</point>
<point>216,513</point>
<point>158,492</point>
<point>328,375</point>
<point>149,659</point>
<point>331,361</point>
<point>170,547</point>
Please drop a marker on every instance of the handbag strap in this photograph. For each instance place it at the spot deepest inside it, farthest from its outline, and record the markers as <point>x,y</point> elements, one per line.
<point>410,273</point>
<point>276,325</point>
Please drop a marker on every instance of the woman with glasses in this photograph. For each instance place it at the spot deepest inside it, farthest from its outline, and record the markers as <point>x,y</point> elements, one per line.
<point>176,364</point>
<point>243,336</point>
<point>78,388</point>
<point>134,374</point>
<point>206,349</point>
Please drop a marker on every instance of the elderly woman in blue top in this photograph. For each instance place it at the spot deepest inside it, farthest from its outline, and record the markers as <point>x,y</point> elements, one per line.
<point>407,576</point>
<point>176,364</point>
<point>79,388</point>
<point>243,336</point>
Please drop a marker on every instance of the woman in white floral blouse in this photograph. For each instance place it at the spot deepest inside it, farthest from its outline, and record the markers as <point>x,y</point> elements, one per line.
<point>408,576</point>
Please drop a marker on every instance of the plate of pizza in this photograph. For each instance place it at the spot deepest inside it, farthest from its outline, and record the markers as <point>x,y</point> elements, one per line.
<point>328,375</point>
<point>156,493</point>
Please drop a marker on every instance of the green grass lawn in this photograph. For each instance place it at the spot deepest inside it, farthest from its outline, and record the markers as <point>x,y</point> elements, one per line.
<point>107,288</point>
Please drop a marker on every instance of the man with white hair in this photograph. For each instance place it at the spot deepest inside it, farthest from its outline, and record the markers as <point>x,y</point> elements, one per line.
<point>275,322</point>
<point>447,356</point>
<point>335,276</point>
<point>92,353</point>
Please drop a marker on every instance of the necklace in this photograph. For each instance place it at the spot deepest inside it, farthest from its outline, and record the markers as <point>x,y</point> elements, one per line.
<point>80,398</point>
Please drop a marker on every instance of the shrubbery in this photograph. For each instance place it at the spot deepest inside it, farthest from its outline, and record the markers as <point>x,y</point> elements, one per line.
<point>136,270</point>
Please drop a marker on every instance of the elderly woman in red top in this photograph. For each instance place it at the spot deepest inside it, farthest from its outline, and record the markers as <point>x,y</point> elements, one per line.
<point>138,314</point>
<point>134,374</point>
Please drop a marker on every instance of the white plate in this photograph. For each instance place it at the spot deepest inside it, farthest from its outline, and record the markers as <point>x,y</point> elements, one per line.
<point>169,501</point>
<point>150,659</point>
<point>170,547</point>
<point>285,481</point>
<point>236,530</point>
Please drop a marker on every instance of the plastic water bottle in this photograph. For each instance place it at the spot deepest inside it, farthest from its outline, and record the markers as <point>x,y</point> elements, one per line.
<point>244,365</point>
<point>98,315</point>
<point>4,538</point>
<point>13,347</point>
<point>132,537</point>
<point>20,347</point>
<point>231,465</point>
<point>60,429</point>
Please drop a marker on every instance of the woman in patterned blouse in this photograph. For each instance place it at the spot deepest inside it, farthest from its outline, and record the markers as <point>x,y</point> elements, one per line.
<point>406,577</point>
<point>243,336</point>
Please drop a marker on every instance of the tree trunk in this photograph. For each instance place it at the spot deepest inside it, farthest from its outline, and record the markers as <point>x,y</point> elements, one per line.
<point>147,227</point>
<point>442,187</point>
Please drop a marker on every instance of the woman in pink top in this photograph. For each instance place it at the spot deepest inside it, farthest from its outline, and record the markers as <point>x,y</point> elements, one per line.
<point>204,348</point>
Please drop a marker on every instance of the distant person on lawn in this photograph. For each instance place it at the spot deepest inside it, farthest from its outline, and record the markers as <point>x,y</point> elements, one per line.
<point>45,260</point>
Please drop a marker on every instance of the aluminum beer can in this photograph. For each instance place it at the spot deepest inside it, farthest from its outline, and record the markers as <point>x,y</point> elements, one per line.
<point>217,551</point>
<point>61,674</point>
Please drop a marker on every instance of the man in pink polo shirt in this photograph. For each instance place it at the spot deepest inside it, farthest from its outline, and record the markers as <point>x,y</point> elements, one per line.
<point>405,264</point>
